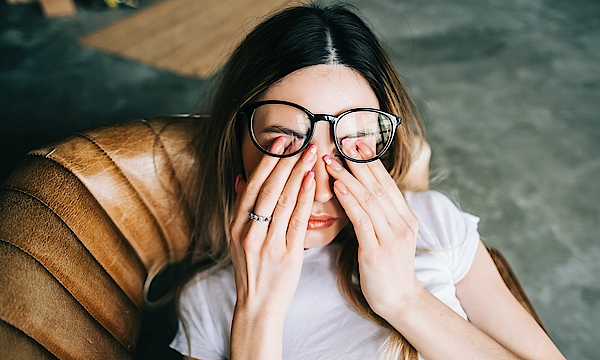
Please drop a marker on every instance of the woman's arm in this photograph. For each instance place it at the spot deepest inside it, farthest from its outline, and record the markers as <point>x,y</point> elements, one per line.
<point>499,326</point>
<point>491,307</point>
<point>386,230</point>
<point>437,332</point>
<point>267,256</point>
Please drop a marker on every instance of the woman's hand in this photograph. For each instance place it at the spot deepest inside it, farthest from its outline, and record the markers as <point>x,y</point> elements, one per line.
<point>387,233</point>
<point>385,227</point>
<point>267,256</point>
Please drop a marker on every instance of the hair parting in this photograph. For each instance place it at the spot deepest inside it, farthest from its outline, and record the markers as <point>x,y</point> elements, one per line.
<point>290,40</point>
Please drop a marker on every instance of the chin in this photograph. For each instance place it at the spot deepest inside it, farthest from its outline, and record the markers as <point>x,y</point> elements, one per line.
<point>323,236</point>
<point>311,242</point>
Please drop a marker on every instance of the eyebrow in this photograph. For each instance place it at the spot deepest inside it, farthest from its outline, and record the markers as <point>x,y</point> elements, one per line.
<point>282,130</point>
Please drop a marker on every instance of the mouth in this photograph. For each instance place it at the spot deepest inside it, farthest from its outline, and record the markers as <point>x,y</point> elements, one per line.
<point>320,222</point>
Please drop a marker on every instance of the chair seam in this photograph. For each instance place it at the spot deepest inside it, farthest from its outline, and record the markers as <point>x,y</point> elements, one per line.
<point>158,140</point>
<point>26,334</point>
<point>64,287</point>
<point>139,261</point>
<point>75,235</point>
<point>162,234</point>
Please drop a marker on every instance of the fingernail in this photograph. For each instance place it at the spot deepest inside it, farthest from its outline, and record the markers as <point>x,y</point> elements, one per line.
<point>309,154</point>
<point>364,148</point>
<point>349,149</point>
<point>334,165</point>
<point>341,188</point>
<point>277,145</point>
<point>237,180</point>
<point>309,180</point>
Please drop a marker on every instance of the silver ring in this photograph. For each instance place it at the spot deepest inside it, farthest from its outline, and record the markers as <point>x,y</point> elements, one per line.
<point>255,217</point>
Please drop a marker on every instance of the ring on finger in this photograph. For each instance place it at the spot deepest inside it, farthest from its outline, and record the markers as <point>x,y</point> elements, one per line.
<point>259,218</point>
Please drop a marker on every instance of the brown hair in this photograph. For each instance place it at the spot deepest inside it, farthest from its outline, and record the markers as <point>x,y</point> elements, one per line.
<point>292,39</point>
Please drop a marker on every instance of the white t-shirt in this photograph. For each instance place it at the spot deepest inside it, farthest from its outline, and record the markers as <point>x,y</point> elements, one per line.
<point>320,324</point>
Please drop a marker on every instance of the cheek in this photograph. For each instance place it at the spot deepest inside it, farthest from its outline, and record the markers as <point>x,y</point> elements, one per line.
<point>250,155</point>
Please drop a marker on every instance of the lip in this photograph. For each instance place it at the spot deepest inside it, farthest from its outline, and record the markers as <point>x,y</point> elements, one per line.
<point>320,222</point>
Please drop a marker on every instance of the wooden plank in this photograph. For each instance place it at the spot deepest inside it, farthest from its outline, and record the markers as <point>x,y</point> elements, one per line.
<point>58,8</point>
<point>187,37</point>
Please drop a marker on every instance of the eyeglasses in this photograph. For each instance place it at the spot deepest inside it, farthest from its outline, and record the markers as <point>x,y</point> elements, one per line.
<point>271,119</point>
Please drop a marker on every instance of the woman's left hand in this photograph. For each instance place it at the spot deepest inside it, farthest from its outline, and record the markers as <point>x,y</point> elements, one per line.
<point>386,230</point>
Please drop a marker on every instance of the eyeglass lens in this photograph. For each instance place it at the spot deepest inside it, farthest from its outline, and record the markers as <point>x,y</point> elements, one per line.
<point>271,121</point>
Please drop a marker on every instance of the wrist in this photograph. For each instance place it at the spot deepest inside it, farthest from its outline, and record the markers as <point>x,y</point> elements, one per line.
<point>261,309</point>
<point>403,305</point>
<point>256,333</point>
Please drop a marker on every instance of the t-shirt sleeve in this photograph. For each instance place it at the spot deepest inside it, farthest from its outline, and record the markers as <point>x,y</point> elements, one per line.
<point>198,335</point>
<point>447,230</point>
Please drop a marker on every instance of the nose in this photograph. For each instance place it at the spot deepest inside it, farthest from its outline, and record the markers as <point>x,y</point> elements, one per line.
<point>325,146</point>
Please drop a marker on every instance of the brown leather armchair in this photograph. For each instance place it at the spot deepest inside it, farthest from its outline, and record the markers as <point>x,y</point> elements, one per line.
<point>84,223</point>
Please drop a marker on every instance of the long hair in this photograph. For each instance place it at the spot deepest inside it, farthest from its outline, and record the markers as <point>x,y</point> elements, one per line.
<point>292,39</point>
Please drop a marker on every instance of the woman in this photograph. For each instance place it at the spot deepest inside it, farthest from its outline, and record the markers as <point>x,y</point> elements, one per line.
<point>306,247</point>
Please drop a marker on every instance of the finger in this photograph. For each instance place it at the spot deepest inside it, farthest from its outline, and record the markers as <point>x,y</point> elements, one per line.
<point>296,232</point>
<point>363,226</point>
<point>364,198</point>
<point>383,188</point>
<point>288,198</point>
<point>386,187</point>
<point>288,172</point>
<point>254,187</point>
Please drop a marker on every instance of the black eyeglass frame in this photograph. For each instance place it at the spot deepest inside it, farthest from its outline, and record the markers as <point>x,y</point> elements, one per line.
<point>248,110</point>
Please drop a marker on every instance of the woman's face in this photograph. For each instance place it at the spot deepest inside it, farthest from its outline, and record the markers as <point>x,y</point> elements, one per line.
<point>322,89</point>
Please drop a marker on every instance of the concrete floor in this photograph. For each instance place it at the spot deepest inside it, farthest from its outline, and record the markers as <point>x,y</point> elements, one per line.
<point>509,91</point>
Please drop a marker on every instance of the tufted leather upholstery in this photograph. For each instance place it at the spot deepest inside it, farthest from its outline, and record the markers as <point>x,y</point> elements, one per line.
<point>84,223</point>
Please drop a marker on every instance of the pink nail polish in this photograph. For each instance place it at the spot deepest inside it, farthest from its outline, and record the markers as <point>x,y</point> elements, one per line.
<point>278,144</point>
<point>334,165</point>
<point>341,187</point>
<point>237,181</point>
<point>309,180</point>
<point>364,148</point>
<point>309,154</point>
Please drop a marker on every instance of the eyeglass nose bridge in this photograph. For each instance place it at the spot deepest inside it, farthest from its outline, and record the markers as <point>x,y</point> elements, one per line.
<point>324,117</point>
<point>332,119</point>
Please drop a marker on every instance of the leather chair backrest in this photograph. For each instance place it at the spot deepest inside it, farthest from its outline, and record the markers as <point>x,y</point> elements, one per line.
<point>84,223</point>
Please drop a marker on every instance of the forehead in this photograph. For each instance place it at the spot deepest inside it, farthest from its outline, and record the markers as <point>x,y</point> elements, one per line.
<point>324,89</point>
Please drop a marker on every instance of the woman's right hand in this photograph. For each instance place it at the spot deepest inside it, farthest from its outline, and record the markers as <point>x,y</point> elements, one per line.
<point>267,256</point>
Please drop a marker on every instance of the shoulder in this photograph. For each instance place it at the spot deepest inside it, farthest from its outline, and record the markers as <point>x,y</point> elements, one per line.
<point>430,203</point>
<point>440,220</point>
<point>208,285</point>
<point>209,295</point>
<point>446,233</point>
<point>206,305</point>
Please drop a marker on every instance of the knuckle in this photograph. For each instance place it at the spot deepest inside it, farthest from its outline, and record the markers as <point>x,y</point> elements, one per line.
<point>406,231</point>
<point>389,184</point>
<point>364,223</point>
<point>286,200</point>
<point>410,229</point>
<point>379,191</point>
<point>413,222</point>
<point>252,188</point>
<point>248,245</point>
<point>370,200</point>
<point>296,223</point>
<point>267,192</point>
<point>233,230</point>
